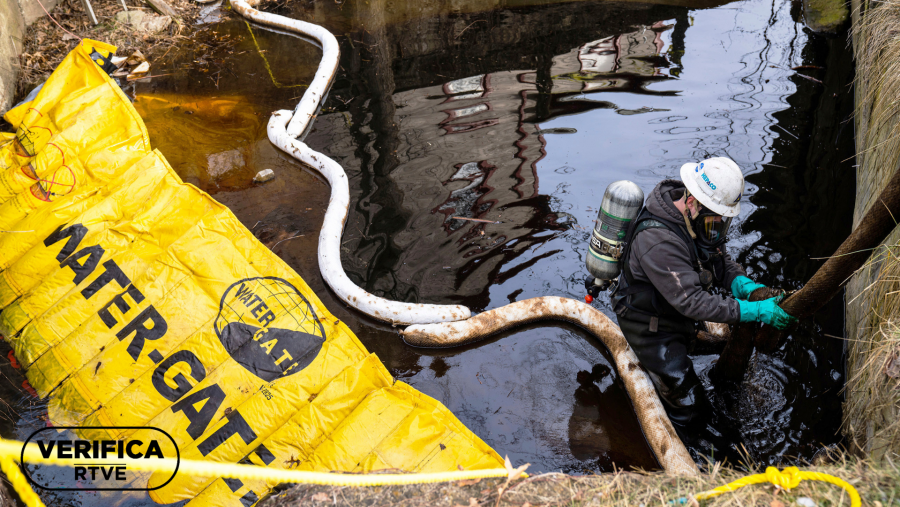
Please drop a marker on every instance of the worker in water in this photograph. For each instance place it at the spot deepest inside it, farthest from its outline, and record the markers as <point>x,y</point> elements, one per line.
<point>675,274</point>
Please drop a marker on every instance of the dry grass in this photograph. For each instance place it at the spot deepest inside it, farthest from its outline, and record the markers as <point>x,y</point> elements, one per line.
<point>878,486</point>
<point>872,409</point>
<point>876,386</point>
<point>45,43</point>
<point>877,50</point>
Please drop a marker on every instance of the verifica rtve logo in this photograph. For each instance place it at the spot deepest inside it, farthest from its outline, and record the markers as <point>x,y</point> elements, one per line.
<point>98,464</point>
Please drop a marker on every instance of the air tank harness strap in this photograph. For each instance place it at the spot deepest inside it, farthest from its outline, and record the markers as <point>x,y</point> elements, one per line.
<point>789,478</point>
<point>622,301</point>
<point>644,221</point>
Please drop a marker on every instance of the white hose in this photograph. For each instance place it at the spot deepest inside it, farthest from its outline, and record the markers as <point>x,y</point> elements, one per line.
<point>284,128</point>
<point>668,448</point>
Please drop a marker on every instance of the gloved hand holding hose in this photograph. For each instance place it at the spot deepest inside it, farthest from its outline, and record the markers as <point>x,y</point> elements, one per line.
<point>742,287</point>
<point>766,311</point>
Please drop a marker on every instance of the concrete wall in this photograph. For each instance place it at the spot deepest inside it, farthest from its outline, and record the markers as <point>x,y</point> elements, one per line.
<point>12,26</point>
<point>32,10</point>
<point>15,16</point>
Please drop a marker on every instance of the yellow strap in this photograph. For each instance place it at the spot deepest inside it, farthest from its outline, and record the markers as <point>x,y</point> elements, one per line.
<point>789,478</point>
<point>10,450</point>
<point>19,482</point>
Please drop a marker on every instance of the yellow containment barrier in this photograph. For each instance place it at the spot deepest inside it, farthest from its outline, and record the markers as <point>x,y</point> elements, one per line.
<point>134,299</point>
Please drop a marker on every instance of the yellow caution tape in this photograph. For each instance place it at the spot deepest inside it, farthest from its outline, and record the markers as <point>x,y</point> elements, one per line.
<point>789,478</point>
<point>10,450</point>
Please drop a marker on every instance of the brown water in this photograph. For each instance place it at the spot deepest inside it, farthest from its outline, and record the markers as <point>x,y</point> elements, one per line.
<point>444,109</point>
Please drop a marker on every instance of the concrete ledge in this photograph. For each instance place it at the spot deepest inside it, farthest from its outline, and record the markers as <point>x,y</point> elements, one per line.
<point>825,16</point>
<point>15,16</point>
<point>32,11</point>
<point>12,26</point>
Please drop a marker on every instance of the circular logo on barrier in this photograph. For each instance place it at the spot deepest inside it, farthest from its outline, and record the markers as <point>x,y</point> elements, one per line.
<point>268,327</point>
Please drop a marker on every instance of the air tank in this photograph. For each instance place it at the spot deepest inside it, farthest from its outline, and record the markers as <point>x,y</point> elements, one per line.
<point>622,202</point>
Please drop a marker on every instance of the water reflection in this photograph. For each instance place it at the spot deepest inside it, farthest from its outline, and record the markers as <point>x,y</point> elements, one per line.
<point>445,110</point>
<point>470,148</point>
<point>547,395</point>
<point>595,437</point>
<point>466,139</point>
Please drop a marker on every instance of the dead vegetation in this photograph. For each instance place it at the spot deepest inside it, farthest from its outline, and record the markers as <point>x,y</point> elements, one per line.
<point>875,380</point>
<point>49,39</point>
<point>872,409</point>
<point>877,54</point>
<point>879,486</point>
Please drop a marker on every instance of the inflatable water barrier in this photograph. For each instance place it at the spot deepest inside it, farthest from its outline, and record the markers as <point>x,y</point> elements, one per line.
<point>134,299</point>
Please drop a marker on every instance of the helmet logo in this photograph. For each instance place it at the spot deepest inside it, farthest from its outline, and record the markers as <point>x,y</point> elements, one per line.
<point>706,179</point>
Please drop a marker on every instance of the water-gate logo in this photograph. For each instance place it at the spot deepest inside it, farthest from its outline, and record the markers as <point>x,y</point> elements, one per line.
<point>268,327</point>
<point>98,464</point>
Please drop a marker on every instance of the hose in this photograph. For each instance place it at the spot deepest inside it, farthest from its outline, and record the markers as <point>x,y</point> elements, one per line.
<point>875,226</point>
<point>735,358</point>
<point>668,448</point>
<point>284,128</point>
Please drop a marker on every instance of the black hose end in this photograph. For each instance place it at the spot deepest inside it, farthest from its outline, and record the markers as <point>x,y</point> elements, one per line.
<point>592,289</point>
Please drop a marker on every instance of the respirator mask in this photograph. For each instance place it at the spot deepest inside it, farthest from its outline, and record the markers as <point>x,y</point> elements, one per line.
<point>710,227</point>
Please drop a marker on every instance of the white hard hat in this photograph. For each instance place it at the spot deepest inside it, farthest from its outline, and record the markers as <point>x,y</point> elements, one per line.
<point>717,183</point>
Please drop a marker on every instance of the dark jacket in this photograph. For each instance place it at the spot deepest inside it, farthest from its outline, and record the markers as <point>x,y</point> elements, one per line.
<point>660,257</point>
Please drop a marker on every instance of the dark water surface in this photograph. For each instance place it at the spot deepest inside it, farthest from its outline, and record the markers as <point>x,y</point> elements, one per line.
<point>522,112</point>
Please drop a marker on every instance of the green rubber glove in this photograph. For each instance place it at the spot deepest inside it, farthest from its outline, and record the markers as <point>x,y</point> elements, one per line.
<point>766,311</point>
<point>742,287</point>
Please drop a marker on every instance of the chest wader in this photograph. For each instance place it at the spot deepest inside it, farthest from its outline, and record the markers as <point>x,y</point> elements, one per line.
<point>660,336</point>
